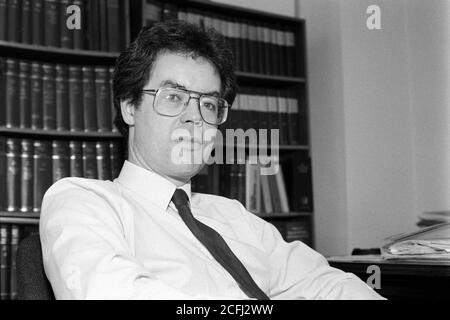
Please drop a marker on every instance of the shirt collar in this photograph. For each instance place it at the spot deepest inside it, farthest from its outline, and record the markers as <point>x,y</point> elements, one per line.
<point>149,184</point>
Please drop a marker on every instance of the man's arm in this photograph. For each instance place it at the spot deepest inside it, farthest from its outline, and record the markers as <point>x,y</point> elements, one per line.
<point>298,272</point>
<point>86,255</point>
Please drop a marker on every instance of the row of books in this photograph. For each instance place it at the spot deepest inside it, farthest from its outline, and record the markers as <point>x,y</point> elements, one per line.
<point>259,46</point>
<point>29,167</point>
<point>61,97</point>
<point>10,236</point>
<point>260,193</point>
<point>96,25</point>
<point>295,230</point>
<point>261,108</point>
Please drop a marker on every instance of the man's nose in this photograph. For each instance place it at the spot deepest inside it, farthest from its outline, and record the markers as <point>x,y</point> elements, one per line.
<point>192,112</point>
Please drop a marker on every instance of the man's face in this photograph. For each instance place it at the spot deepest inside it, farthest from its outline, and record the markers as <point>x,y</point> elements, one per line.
<point>163,143</point>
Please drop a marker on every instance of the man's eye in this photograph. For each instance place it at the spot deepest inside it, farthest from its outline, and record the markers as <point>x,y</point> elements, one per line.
<point>172,98</point>
<point>209,106</point>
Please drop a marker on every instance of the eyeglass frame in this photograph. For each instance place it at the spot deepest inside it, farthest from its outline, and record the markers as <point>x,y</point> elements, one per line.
<point>154,93</point>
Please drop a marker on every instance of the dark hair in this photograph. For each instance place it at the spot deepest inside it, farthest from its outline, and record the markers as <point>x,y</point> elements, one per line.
<point>133,67</point>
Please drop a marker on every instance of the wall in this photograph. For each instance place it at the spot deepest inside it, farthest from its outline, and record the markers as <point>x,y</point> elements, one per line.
<point>379,117</point>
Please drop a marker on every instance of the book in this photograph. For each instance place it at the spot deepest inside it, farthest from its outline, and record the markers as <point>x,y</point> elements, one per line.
<point>299,182</point>
<point>62,98</point>
<point>113,25</point>
<point>290,56</point>
<point>37,21</point>
<point>60,160</point>
<point>89,99</point>
<point>103,22</point>
<point>12,93</point>
<point>42,177</point>
<point>26,21</point>
<point>2,91</point>
<point>252,186</point>
<point>76,98</point>
<point>26,176</point>
<point>24,95</point>
<point>3,20</point>
<point>89,160</point>
<point>5,261</point>
<point>12,174</point>
<point>111,99</point>
<point>3,183</point>
<point>51,23</point>
<point>48,96</point>
<point>298,230</point>
<point>115,158</point>
<point>36,96</point>
<point>14,21</point>
<point>281,190</point>
<point>65,35</point>
<point>293,119</point>
<point>274,193</point>
<point>283,118</point>
<point>91,25</point>
<point>266,194</point>
<point>14,244</point>
<point>78,38</point>
<point>103,101</point>
<point>76,159</point>
<point>103,160</point>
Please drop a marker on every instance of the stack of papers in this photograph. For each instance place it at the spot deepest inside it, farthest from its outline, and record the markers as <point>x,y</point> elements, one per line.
<point>428,243</point>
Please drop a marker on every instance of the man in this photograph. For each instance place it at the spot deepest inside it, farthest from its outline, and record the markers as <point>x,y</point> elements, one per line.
<point>144,235</point>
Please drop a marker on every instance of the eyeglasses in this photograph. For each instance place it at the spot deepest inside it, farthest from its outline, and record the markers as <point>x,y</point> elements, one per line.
<point>173,101</point>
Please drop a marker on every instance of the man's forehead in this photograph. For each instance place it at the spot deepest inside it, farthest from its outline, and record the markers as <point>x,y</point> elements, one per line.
<point>185,71</point>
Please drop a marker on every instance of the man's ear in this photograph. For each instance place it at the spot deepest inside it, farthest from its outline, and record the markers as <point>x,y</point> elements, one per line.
<point>127,110</point>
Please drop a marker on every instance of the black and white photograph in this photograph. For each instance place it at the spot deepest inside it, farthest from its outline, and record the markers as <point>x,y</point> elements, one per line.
<point>215,153</point>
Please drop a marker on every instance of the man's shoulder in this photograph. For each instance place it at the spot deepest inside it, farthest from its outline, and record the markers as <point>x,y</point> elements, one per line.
<point>73,187</point>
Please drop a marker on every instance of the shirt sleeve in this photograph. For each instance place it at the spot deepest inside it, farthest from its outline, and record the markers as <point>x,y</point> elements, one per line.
<point>85,253</point>
<point>299,272</point>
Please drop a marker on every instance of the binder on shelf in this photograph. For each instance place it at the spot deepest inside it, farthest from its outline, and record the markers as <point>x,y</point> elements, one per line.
<point>26,176</point>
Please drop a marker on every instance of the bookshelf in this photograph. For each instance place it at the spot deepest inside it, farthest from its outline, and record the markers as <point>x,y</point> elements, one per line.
<point>48,150</point>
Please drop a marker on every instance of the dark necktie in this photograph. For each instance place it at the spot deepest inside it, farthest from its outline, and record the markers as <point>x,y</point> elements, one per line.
<point>217,247</point>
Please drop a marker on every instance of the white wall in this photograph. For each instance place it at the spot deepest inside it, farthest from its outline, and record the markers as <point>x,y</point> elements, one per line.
<point>388,142</point>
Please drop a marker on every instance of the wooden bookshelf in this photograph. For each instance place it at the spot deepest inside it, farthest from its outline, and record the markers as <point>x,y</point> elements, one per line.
<point>54,134</point>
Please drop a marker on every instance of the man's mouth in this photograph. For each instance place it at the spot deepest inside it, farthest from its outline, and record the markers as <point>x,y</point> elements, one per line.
<point>189,142</point>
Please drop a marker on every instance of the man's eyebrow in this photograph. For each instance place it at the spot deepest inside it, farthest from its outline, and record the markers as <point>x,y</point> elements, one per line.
<point>174,84</point>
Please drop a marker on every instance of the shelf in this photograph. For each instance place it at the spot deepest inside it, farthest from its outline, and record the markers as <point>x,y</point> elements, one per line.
<point>257,78</point>
<point>19,217</point>
<point>283,215</point>
<point>54,134</point>
<point>53,54</point>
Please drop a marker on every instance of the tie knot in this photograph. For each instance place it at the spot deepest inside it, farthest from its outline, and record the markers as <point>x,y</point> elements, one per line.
<point>180,198</point>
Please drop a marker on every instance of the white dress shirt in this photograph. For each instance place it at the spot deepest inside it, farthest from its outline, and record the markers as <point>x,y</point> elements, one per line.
<point>124,239</point>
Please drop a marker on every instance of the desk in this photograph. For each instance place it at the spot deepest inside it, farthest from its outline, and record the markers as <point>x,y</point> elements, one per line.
<point>401,279</point>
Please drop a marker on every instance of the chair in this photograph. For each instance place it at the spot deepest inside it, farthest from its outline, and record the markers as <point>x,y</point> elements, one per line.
<point>32,283</point>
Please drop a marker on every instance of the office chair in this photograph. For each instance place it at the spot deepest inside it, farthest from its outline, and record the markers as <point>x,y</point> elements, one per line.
<point>32,283</point>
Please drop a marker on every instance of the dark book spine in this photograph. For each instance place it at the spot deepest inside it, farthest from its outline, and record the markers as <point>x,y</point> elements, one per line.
<point>51,20</point>
<point>78,37</point>
<point>89,97</point>
<point>37,10</point>
<point>49,96</point>
<point>5,261</point>
<point>76,159</point>
<point>42,176</point>
<point>298,231</point>
<point>90,160</point>
<point>103,161</point>
<point>13,251</point>
<point>170,11</point>
<point>25,31</point>
<point>294,119</point>
<point>60,159</point>
<point>62,98</point>
<point>103,21</point>
<point>14,24</point>
<point>261,48</point>
<point>103,102</point>
<point>12,93</point>
<point>26,176</point>
<point>290,52</point>
<point>152,12</point>
<point>115,158</point>
<point>274,50</point>
<point>36,95</point>
<point>76,98</point>
<point>113,25</point>
<point>3,20</point>
<point>24,95</point>
<point>302,183</point>
<point>283,117</point>
<point>66,35</point>
<point>268,63</point>
<point>273,109</point>
<point>12,174</point>
<point>245,46</point>
<point>3,184</point>
<point>2,91</point>
<point>253,45</point>
<point>93,22</point>
<point>111,99</point>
